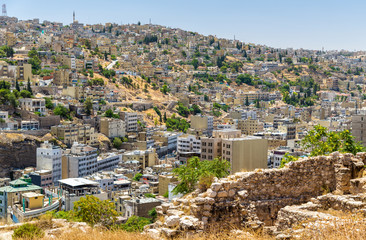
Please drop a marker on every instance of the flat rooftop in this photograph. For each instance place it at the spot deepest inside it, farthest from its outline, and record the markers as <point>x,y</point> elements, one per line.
<point>77,182</point>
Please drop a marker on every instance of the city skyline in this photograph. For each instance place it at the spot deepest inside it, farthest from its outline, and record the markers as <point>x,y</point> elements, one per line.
<point>333,25</point>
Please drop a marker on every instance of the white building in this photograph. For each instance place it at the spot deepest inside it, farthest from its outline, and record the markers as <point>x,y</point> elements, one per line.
<point>130,119</point>
<point>108,161</point>
<point>112,127</point>
<point>79,161</point>
<point>33,104</point>
<point>49,158</point>
<point>188,144</point>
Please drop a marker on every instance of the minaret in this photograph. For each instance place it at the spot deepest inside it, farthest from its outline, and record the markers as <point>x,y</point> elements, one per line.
<point>73,15</point>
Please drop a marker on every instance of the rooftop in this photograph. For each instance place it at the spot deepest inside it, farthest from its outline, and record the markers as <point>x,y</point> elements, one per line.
<point>77,182</point>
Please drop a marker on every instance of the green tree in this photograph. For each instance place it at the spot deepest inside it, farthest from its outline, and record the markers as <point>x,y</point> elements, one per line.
<point>17,86</point>
<point>88,106</point>
<point>92,210</point>
<point>195,63</point>
<point>137,177</point>
<point>49,103</point>
<point>247,101</point>
<point>62,111</point>
<point>135,224</point>
<point>117,142</point>
<point>25,94</point>
<point>29,88</point>
<point>195,170</point>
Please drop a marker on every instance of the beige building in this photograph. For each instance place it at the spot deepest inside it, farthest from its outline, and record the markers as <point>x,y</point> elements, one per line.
<point>246,153</point>
<point>249,126</point>
<point>359,128</point>
<point>62,77</point>
<point>145,158</point>
<point>33,104</point>
<point>112,127</point>
<point>24,72</point>
<point>69,134</point>
<point>212,147</point>
<point>164,181</point>
<point>202,124</point>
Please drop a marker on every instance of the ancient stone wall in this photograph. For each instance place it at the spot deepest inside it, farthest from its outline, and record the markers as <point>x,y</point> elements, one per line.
<point>253,199</point>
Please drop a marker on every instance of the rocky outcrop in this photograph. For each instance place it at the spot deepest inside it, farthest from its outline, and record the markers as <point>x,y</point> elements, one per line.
<point>18,151</point>
<point>254,199</point>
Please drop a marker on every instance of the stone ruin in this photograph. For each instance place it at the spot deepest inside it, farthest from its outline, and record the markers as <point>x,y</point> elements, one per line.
<point>273,200</point>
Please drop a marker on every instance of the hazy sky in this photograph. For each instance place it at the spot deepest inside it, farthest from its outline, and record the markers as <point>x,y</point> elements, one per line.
<point>332,24</point>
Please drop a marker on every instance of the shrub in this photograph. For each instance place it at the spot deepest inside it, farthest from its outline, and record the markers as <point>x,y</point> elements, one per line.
<point>28,231</point>
<point>135,224</point>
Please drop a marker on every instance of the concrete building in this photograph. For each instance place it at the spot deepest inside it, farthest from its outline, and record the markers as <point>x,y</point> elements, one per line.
<point>42,178</point>
<point>33,104</point>
<point>75,188</point>
<point>140,207</point>
<point>130,119</point>
<point>71,133</point>
<point>108,161</point>
<point>246,153</point>
<point>112,127</point>
<point>212,147</point>
<point>29,125</point>
<point>49,157</point>
<point>145,158</point>
<point>202,124</point>
<point>79,161</point>
<point>249,126</point>
<point>188,146</point>
<point>62,77</point>
<point>12,194</point>
<point>359,128</point>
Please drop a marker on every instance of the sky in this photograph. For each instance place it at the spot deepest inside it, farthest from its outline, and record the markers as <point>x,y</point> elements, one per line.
<point>309,24</point>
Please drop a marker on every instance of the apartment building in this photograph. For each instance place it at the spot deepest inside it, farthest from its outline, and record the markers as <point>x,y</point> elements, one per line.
<point>33,104</point>
<point>246,153</point>
<point>130,119</point>
<point>212,147</point>
<point>112,127</point>
<point>203,124</point>
<point>62,77</point>
<point>108,161</point>
<point>49,157</point>
<point>42,178</point>
<point>79,161</point>
<point>249,126</point>
<point>145,158</point>
<point>359,128</point>
<point>188,146</point>
<point>71,133</point>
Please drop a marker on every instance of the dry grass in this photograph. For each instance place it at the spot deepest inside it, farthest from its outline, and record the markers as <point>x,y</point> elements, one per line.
<point>347,226</point>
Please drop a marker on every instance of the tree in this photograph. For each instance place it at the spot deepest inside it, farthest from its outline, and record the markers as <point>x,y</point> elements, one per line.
<point>29,88</point>
<point>195,63</point>
<point>117,142</point>
<point>135,224</point>
<point>195,170</point>
<point>25,94</point>
<point>92,210</point>
<point>321,141</point>
<point>17,86</point>
<point>247,101</point>
<point>165,118</point>
<point>49,103</point>
<point>62,111</point>
<point>137,177</point>
<point>88,106</point>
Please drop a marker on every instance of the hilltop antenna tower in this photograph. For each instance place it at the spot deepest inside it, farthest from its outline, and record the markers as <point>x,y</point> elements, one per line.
<point>150,21</point>
<point>4,11</point>
<point>73,16</point>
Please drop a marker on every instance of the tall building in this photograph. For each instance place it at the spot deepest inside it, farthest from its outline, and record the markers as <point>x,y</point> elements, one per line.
<point>49,157</point>
<point>112,127</point>
<point>211,147</point>
<point>187,147</point>
<point>71,133</point>
<point>359,128</point>
<point>130,119</point>
<point>202,124</point>
<point>79,161</point>
<point>246,153</point>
